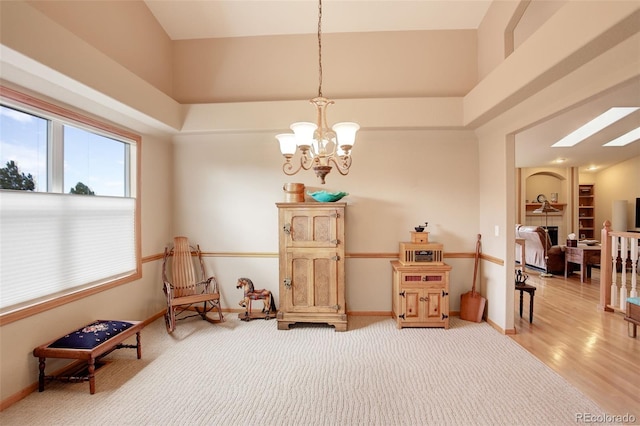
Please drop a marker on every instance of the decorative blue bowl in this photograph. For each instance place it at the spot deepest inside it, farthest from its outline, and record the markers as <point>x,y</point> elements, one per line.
<point>327,197</point>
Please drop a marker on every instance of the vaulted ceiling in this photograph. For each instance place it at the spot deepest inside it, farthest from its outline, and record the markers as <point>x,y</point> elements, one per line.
<point>240,18</point>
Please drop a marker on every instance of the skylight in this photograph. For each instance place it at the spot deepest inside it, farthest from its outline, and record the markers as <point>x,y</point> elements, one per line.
<point>594,126</point>
<point>625,139</point>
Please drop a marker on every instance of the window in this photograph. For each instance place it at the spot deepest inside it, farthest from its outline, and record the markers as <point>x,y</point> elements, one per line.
<point>69,206</point>
<point>91,163</point>
<point>24,141</point>
<point>95,162</point>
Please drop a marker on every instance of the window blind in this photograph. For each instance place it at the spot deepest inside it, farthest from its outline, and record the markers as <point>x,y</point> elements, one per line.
<point>56,243</point>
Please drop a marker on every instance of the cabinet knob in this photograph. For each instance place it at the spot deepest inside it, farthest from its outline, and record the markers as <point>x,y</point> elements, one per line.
<point>424,299</point>
<point>287,282</point>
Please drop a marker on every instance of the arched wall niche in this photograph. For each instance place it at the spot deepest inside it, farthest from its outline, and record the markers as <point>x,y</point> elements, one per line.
<point>555,186</point>
<point>545,183</point>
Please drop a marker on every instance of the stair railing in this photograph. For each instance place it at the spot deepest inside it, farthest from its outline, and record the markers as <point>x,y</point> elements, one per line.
<point>619,251</point>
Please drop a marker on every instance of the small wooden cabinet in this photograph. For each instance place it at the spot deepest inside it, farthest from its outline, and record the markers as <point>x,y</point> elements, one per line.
<point>420,295</point>
<point>586,212</point>
<point>311,260</point>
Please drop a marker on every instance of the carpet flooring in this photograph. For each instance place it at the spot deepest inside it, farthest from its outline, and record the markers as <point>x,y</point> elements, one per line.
<point>250,373</point>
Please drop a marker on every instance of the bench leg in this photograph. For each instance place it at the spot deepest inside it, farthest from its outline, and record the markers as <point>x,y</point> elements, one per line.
<point>531,307</point>
<point>633,329</point>
<point>138,345</point>
<point>92,378</point>
<point>521,296</point>
<point>41,375</point>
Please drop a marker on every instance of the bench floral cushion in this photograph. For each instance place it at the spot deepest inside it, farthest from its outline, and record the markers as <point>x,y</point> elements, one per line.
<point>90,336</point>
<point>634,300</point>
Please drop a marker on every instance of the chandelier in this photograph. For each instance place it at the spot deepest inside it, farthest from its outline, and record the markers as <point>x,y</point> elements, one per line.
<point>319,146</point>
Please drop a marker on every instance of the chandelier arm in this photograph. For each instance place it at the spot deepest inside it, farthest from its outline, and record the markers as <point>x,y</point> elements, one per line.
<point>342,163</point>
<point>306,163</point>
<point>287,168</point>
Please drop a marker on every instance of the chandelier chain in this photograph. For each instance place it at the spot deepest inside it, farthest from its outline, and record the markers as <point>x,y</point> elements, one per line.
<point>320,48</point>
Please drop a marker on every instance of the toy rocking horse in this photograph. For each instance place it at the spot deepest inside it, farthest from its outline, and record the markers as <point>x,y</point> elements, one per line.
<point>250,294</point>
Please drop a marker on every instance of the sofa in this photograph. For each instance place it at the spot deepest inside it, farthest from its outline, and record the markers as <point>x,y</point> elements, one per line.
<point>535,239</point>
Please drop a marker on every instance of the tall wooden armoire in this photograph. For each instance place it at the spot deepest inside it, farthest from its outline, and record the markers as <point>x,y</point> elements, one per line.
<point>311,252</point>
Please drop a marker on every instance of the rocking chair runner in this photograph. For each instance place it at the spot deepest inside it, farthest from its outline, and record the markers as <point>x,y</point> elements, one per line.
<point>184,289</point>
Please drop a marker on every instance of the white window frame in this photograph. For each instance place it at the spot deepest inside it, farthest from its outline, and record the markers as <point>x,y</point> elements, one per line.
<point>60,116</point>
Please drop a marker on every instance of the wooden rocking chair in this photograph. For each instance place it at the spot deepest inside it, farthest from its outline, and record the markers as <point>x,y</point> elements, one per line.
<point>184,289</point>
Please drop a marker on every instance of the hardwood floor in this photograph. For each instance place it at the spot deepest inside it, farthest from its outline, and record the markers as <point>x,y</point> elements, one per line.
<point>591,349</point>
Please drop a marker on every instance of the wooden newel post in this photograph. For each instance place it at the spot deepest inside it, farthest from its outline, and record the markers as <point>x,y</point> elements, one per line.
<point>605,267</point>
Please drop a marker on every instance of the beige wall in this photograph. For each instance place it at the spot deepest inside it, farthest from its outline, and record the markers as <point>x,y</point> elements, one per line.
<point>406,64</point>
<point>219,182</point>
<point>125,31</point>
<point>41,54</point>
<point>621,182</point>
<point>227,186</point>
<point>537,12</point>
<point>506,25</point>
<point>491,36</point>
<point>594,29</point>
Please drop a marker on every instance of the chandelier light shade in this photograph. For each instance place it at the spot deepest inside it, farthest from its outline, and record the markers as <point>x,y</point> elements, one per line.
<point>318,146</point>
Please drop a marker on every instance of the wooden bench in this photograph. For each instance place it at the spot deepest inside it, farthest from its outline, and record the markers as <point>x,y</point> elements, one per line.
<point>89,343</point>
<point>633,315</point>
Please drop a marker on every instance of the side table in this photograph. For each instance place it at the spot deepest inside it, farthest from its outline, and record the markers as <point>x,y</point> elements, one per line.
<point>532,292</point>
<point>583,255</point>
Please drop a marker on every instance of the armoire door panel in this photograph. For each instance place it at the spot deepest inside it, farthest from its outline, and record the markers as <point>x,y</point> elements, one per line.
<point>311,228</point>
<point>313,276</point>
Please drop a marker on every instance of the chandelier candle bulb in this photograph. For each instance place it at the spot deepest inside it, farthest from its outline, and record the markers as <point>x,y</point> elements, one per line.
<point>303,132</point>
<point>288,144</point>
<point>346,135</point>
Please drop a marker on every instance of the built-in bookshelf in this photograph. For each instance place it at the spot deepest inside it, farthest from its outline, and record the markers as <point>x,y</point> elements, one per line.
<point>586,212</point>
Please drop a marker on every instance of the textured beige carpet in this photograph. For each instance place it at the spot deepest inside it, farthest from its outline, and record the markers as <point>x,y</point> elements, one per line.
<point>241,373</point>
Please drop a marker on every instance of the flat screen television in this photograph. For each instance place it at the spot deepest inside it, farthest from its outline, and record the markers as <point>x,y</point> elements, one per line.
<point>638,213</point>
